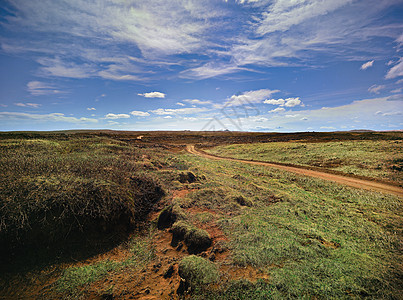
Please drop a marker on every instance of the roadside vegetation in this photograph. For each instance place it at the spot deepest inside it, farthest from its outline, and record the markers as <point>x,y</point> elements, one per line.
<point>381,159</point>
<point>217,230</point>
<point>313,238</point>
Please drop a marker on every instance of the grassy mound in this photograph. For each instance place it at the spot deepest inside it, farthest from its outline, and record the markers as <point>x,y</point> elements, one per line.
<point>60,196</point>
<point>196,239</point>
<point>197,271</point>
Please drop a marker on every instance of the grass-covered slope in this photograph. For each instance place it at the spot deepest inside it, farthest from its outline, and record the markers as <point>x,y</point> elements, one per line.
<point>381,159</point>
<point>70,193</point>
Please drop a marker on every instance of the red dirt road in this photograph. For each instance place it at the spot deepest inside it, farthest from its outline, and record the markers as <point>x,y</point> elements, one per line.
<point>346,180</point>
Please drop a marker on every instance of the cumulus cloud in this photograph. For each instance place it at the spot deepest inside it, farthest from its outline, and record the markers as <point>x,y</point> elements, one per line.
<point>56,117</point>
<point>275,102</point>
<point>153,95</point>
<point>289,102</point>
<point>255,96</point>
<point>139,113</point>
<point>375,88</point>
<point>116,116</point>
<point>33,105</point>
<point>180,104</point>
<point>278,109</point>
<point>367,65</point>
<point>91,108</point>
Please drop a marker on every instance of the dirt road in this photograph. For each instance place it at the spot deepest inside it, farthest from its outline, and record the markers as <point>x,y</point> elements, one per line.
<point>350,181</point>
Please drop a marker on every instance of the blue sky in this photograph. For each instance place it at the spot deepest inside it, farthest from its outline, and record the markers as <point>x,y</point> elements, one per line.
<point>275,65</point>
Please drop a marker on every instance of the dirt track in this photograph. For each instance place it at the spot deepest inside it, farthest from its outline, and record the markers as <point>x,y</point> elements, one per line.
<point>350,181</point>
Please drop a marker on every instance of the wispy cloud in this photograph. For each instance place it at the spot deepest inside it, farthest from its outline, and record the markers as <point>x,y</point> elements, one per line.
<point>153,95</point>
<point>367,65</point>
<point>54,117</point>
<point>196,102</point>
<point>179,111</point>
<point>38,88</point>
<point>290,33</point>
<point>139,113</point>
<point>396,70</point>
<point>117,40</point>
<point>32,105</point>
<point>91,108</point>
<point>376,88</point>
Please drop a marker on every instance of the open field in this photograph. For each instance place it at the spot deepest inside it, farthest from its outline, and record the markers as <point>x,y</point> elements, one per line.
<point>376,159</point>
<point>147,219</point>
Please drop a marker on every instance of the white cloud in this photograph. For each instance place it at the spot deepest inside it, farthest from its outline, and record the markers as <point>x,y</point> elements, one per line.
<point>291,33</point>
<point>278,109</point>
<point>116,116</point>
<point>180,111</point>
<point>375,88</point>
<point>327,127</point>
<point>196,102</point>
<point>211,69</point>
<point>57,67</point>
<point>367,65</point>
<point>37,88</point>
<point>139,113</point>
<point>56,117</point>
<point>180,104</point>
<point>155,27</point>
<point>275,102</point>
<point>255,96</point>
<point>289,102</point>
<point>153,95</point>
<point>395,71</point>
<point>168,117</point>
<point>392,113</point>
<point>399,40</point>
<point>34,105</point>
<point>91,108</point>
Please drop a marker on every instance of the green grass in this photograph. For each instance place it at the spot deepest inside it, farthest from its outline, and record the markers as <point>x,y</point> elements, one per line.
<point>74,280</point>
<point>198,271</point>
<point>381,159</point>
<point>314,238</point>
